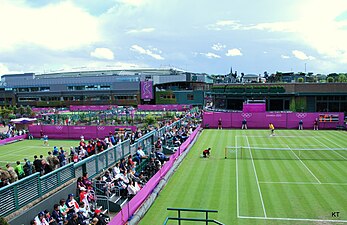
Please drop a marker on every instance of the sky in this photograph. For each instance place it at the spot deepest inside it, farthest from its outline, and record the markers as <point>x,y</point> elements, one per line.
<point>204,36</point>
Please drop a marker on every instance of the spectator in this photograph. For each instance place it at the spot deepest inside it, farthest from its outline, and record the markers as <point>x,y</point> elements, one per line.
<point>57,215</point>
<point>100,217</point>
<point>301,125</point>
<point>13,174</point>
<point>28,168</point>
<point>37,164</point>
<point>244,124</point>
<point>19,170</point>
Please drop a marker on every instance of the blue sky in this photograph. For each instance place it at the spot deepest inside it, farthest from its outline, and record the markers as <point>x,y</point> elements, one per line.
<point>200,36</point>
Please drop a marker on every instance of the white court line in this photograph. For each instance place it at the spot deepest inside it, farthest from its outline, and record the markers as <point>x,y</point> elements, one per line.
<point>25,148</point>
<point>291,219</point>
<point>330,148</point>
<point>277,136</point>
<point>237,181</point>
<point>256,177</point>
<point>304,165</point>
<point>299,183</point>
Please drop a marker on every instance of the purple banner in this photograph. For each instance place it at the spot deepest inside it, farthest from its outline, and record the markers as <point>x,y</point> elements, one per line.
<point>12,139</point>
<point>254,107</point>
<point>164,107</point>
<point>130,208</point>
<point>147,90</point>
<point>74,132</point>
<point>91,107</point>
<point>258,120</point>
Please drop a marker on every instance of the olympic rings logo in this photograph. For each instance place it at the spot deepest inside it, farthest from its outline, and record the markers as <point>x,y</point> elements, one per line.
<point>59,127</point>
<point>246,115</point>
<point>101,128</point>
<point>301,115</point>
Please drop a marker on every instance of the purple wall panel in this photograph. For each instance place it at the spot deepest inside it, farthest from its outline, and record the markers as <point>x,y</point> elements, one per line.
<point>91,107</point>
<point>74,132</point>
<point>254,107</point>
<point>282,120</point>
<point>7,140</point>
<point>162,107</point>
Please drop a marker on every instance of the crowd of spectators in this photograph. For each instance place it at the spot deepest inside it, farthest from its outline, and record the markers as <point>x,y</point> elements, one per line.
<point>123,178</point>
<point>79,210</point>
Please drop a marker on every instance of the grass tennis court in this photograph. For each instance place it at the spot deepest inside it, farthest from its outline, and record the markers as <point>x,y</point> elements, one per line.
<point>273,183</point>
<point>10,153</point>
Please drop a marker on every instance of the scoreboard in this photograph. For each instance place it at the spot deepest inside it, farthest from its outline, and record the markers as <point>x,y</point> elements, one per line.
<point>328,117</point>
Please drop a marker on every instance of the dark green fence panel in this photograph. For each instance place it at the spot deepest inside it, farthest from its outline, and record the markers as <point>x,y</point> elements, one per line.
<point>27,190</point>
<point>7,201</point>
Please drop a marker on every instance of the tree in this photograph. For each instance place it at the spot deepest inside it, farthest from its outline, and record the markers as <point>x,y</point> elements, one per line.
<point>342,78</point>
<point>330,79</point>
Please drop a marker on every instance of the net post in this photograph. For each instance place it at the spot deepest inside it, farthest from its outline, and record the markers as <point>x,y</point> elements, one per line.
<point>225,152</point>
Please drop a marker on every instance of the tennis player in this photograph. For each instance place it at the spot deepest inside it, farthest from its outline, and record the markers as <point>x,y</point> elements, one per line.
<point>272,128</point>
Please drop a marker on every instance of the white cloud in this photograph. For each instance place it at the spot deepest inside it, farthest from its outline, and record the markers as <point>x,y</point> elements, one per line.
<point>233,52</point>
<point>3,69</point>
<point>143,30</point>
<point>210,55</point>
<point>225,24</point>
<point>285,57</point>
<point>218,47</point>
<point>141,50</point>
<point>102,53</point>
<point>301,55</point>
<point>133,2</point>
<point>54,26</point>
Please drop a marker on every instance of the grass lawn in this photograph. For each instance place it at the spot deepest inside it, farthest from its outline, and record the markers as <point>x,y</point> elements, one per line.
<point>265,185</point>
<point>10,153</point>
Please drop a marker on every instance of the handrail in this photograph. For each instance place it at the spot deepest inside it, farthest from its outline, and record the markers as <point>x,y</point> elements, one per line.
<point>193,219</point>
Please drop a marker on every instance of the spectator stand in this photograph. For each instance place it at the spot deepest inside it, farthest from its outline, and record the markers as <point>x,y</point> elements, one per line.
<point>29,190</point>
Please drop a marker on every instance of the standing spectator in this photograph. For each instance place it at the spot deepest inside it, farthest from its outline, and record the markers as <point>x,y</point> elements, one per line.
<point>61,157</point>
<point>244,124</point>
<point>13,174</point>
<point>19,170</point>
<point>5,175</point>
<point>28,168</point>
<point>50,160</point>
<point>37,164</point>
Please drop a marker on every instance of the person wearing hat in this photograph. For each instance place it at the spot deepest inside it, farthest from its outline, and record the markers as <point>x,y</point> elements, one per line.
<point>28,167</point>
<point>72,203</point>
<point>99,216</point>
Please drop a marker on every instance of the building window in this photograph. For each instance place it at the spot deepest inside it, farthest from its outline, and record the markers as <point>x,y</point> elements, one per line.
<point>190,96</point>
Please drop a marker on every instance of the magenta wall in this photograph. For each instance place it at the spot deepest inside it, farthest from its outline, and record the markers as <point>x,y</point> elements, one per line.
<point>254,107</point>
<point>257,120</point>
<point>91,107</point>
<point>11,139</point>
<point>130,208</point>
<point>74,132</point>
<point>166,107</point>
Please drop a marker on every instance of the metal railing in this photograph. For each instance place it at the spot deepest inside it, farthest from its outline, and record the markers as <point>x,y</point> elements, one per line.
<point>31,188</point>
<point>179,218</point>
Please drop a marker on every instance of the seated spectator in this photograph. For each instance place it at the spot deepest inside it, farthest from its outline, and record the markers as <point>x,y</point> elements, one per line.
<point>57,215</point>
<point>101,217</point>
<point>141,153</point>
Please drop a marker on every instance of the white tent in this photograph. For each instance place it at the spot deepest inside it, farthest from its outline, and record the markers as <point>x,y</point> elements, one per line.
<point>23,120</point>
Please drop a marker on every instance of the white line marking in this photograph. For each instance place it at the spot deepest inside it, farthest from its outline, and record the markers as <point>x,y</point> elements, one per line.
<point>330,148</point>
<point>301,136</point>
<point>256,177</point>
<point>291,219</point>
<point>299,183</point>
<point>304,165</point>
<point>237,181</point>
